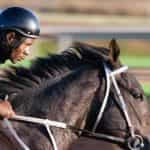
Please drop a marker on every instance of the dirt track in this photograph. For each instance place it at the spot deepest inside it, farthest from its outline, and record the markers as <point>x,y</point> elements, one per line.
<point>86,6</point>
<point>142,74</point>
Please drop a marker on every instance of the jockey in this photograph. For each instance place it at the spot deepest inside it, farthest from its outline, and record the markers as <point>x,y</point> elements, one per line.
<point>19,27</point>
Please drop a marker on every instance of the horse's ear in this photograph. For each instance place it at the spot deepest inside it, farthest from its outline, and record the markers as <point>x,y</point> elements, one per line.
<point>114,50</point>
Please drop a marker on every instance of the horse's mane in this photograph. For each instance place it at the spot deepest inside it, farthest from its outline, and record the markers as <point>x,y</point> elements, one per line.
<point>16,79</point>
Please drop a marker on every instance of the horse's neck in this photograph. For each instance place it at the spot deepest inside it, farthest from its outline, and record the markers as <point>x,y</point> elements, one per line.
<point>66,100</point>
<point>77,93</point>
<point>72,103</point>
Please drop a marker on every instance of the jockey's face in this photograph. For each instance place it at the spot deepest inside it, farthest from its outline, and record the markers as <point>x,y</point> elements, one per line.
<point>22,50</point>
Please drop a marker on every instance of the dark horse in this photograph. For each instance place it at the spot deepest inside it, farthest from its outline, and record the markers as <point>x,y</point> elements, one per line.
<point>70,87</point>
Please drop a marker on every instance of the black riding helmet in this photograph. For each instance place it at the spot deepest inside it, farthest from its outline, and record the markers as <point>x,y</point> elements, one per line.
<point>21,20</point>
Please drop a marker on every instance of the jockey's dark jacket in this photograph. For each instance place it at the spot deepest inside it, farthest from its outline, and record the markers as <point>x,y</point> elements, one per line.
<point>4,48</point>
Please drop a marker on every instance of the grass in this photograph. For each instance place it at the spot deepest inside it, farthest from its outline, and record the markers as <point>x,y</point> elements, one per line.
<point>136,61</point>
<point>146,88</point>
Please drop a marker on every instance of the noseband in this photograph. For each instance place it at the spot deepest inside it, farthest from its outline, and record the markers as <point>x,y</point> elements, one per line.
<point>134,142</point>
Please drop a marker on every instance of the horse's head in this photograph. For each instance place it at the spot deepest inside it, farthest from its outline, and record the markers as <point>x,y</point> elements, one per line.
<point>114,121</point>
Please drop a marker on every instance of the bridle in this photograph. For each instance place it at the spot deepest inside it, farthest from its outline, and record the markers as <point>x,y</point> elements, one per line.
<point>134,141</point>
<point>110,79</point>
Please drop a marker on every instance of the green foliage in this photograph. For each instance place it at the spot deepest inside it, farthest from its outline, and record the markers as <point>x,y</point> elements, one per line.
<point>24,63</point>
<point>43,47</point>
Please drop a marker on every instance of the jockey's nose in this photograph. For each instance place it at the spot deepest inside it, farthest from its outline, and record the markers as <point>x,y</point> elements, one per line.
<point>27,51</point>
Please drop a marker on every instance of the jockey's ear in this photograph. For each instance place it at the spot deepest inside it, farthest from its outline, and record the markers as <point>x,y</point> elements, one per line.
<point>10,37</point>
<point>114,50</point>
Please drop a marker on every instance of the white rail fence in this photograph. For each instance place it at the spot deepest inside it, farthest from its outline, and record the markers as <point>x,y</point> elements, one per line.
<point>65,34</point>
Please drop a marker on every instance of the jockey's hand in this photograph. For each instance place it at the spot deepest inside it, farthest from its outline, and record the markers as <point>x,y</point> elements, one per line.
<point>6,110</point>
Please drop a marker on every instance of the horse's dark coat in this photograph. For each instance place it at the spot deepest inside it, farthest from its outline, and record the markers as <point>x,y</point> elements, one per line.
<point>69,87</point>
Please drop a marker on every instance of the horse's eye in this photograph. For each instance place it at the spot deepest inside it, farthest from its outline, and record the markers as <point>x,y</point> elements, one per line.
<point>136,94</point>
